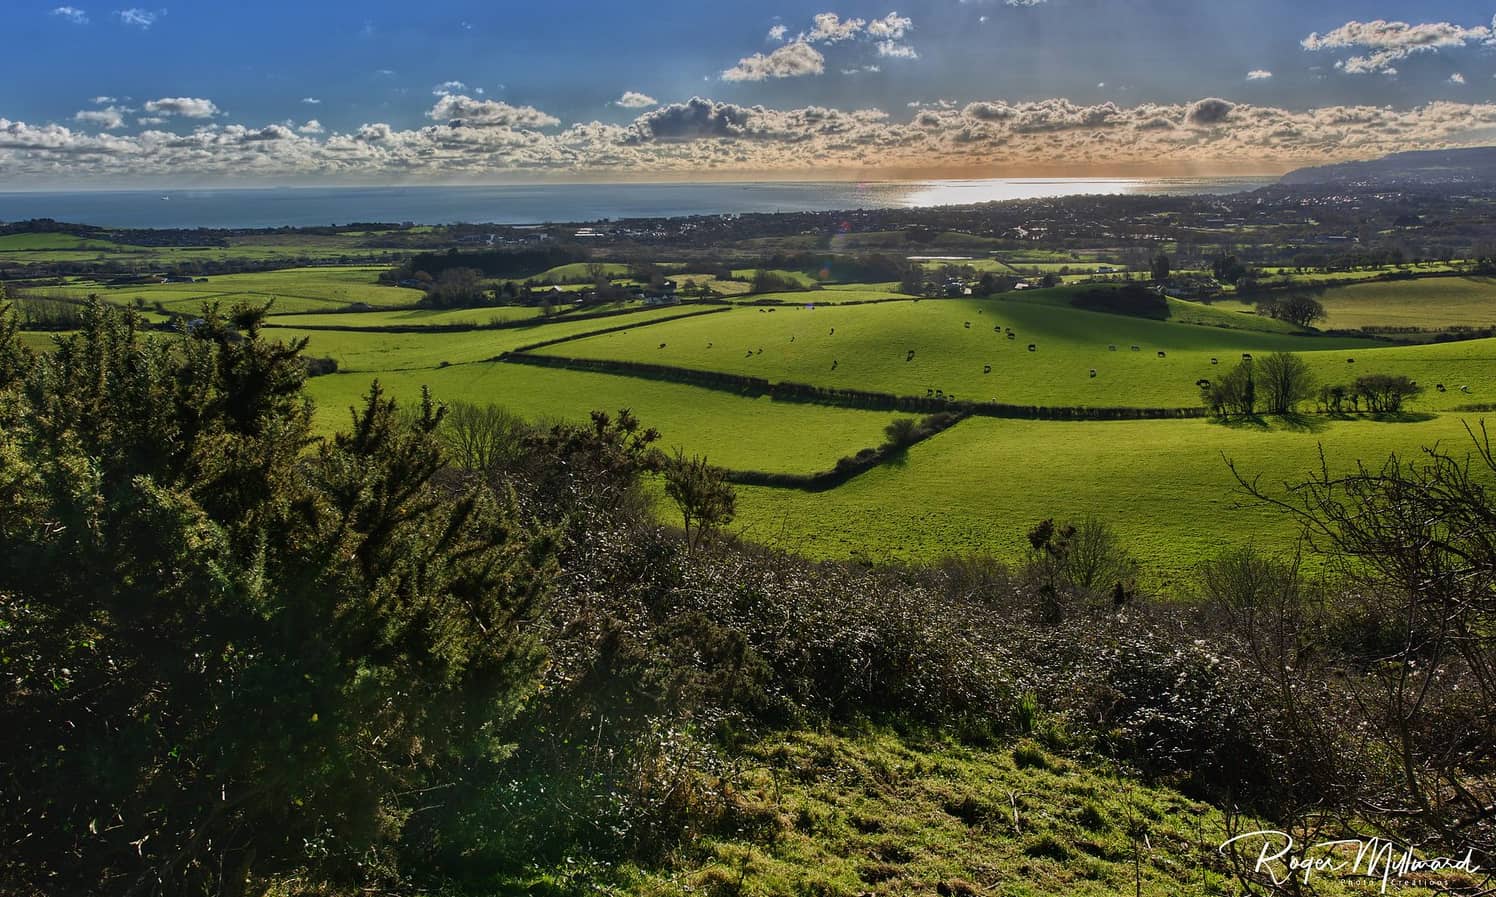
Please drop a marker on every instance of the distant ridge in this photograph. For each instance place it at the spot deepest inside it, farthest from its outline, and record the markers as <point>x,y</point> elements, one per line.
<point>1473,165</point>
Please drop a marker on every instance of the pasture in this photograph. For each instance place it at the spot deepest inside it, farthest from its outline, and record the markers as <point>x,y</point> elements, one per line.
<point>732,431</point>
<point>973,489</point>
<point>292,289</point>
<point>1432,303</point>
<point>395,351</point>
<point>1163,485</point>
<point>961,347</point>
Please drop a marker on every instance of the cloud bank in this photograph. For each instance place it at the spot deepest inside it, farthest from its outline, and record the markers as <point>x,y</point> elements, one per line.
<point>475,138</point>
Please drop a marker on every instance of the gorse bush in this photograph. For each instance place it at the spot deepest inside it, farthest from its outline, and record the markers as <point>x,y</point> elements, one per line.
<point>227,657</point>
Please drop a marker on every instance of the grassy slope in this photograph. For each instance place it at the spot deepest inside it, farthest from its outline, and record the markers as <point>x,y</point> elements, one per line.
<point>870,343</point>
<point>731,431</point>
<point>871,813</point>
<point>1163,485</point>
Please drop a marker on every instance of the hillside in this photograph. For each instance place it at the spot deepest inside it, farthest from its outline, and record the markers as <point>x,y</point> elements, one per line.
<point>1457,166</point>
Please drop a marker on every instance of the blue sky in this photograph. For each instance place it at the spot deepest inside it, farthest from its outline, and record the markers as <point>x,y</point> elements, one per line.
<point>538,89</point>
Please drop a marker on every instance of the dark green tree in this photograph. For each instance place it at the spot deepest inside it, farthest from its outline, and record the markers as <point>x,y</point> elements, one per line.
<point>230,652</point>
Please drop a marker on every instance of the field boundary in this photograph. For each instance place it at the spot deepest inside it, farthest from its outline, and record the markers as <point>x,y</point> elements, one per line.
<point>785,391</point>
<point>473,328</point>
<point>848,467</point>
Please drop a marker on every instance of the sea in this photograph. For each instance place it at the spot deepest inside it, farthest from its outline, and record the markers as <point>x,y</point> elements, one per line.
<point>552,202</point>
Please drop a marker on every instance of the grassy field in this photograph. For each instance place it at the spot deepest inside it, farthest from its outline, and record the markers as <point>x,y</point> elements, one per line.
<point>413,317</point>
<point>54,242</point>
<point>1163,485</point>
<point>293,289</point>
<point>866,346</point>
<point>1428,302</point>
<point>799,277</point>
<point>732,431</point>
<point>371,351</point>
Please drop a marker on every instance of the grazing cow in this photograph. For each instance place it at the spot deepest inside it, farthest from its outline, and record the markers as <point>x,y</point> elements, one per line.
<point>939,394</point>
<point>1246,356</point>
<point>1160,353</point>
<point>1111,348</point>
<point>662,345</point>
<point>1033,347</point>
<point>1350,361</point>
<point>986,368</point>
<point>1202,383</point>
<point>997,328</point>
<point>968,325</point>
<point>1137,348</point>
<point>1093,372</point>
<point>909,356</point>
<point>1215,361</point>
<point>792,339</point>
<point>749,355</point>
<point>760,311</point>
<point>833,332</point>
<point>929,392</point>
<point>1439,386</point>
<point>760,350</point>
<point>1012,335</point>
<point>834,363</point>
<point>1465,389</point>
<point>708,345</point>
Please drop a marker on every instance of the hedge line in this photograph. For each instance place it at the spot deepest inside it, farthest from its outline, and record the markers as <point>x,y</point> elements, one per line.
<point>502,325</point>
<point>850,466</point>
<point>844,398</point>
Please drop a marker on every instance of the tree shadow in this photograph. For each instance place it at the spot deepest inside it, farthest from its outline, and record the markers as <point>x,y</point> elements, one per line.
<point>1401,417</point>
<point>1242,422</point>
<point>1304,423</point>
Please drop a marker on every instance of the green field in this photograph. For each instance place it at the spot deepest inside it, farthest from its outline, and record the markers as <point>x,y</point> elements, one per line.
<point>373,351</point>
<point>292,289</point>
<point>413,317</point>
<point>1163,485</point>
<point>732,431</point>
<point>870,343</point>
<point>975,488</point>
<point>54,242</point>
<point>1429,302</point>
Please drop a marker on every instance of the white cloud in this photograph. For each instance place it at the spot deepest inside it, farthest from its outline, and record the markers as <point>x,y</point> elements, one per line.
<point>448,87</point>
<point>896,50</point>
<point>311,101</point>
<point>1024,2</point>
<point>829,28</point>
<point>72,14</point>
<point>1259,75</point>
<point>464,111</point>
<point>891,27</point>
<point>150,120</point>
<point>140,18</point>
<point>1457,78</point>
<point>703,134</point>
<point>777,33</point>
<point>311,127</point>
<point>793,60</point>
<point>186,107</point>
<point>109,118</point>
<point>1391,42</point>
<point>632,99</point>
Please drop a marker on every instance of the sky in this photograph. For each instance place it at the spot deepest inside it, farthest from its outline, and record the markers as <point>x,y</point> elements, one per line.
<point>449,91</point>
